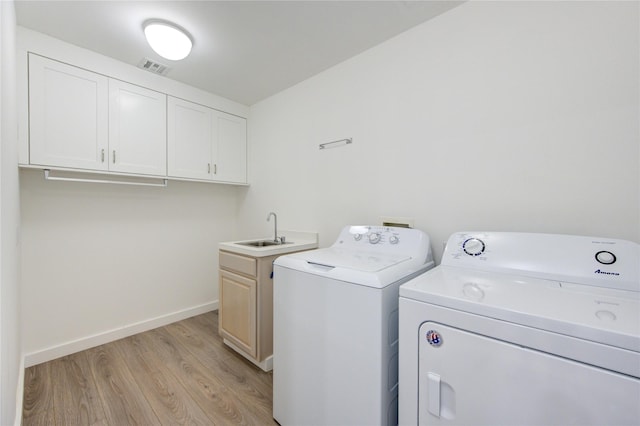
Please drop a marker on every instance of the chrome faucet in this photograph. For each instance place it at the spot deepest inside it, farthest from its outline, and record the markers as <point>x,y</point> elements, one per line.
<point>275,226</point>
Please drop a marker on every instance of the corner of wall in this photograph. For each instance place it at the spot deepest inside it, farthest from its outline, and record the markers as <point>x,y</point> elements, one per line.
<point>11,360</point>
<point>19,394</point>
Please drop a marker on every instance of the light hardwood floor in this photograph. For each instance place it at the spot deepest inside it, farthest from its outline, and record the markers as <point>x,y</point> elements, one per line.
<point>174,375</point>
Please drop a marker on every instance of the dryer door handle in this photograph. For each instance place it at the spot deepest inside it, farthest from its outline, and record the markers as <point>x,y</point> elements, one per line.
<point>433,394</point>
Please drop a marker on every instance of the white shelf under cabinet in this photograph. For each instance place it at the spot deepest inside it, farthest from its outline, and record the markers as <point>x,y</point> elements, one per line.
<point>66,171</point>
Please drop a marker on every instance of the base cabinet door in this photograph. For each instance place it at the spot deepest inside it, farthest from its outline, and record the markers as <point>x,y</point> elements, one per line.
<point>238,311</point>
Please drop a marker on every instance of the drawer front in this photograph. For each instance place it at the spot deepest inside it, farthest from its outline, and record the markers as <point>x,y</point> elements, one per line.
<point>235,262</point>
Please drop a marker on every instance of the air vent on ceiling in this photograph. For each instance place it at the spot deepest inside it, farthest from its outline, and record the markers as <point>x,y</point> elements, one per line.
<point>153,66</point>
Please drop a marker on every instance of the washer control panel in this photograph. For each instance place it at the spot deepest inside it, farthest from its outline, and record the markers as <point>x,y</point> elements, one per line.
<point>601,262</point>
<point>383,239</point>
<point>376,234</point>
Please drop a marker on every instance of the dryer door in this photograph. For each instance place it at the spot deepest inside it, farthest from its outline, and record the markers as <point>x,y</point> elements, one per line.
<point>466,378</point>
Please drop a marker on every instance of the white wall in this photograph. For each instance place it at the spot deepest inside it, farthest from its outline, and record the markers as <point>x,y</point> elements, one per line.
<point>11,368</point>
<point>100,262</point>
<point>103,260</point>
<point>511,116</point>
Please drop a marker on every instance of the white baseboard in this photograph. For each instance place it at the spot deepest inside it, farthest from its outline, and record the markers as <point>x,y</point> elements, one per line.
<point>78,345</point>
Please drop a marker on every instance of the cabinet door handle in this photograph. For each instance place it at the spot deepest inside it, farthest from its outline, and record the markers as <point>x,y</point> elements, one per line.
<point>215,169</point>
<point>209,168</point>
<point>102,156</point>
<point>114,156</point>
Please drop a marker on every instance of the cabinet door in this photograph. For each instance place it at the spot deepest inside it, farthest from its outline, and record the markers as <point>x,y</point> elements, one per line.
<point>237,314</point>
<point>68,115</point>
<point>190,139</point>
<point>231,148</point>
<point>137,130</point>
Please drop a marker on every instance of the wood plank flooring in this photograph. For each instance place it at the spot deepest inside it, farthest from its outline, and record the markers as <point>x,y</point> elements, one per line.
<point>174,375</point>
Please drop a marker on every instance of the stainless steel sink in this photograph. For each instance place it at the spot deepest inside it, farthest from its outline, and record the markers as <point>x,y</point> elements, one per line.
<point>263,243</point>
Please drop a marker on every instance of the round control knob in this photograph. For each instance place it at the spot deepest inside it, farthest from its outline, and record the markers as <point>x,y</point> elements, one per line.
<point>473,246</point>
<point>606,257</point>
<point>394,239</point>
<point>374,238</point>
<point>357,237</point>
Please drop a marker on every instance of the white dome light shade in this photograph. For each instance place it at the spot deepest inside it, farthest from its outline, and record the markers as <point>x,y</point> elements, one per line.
<point>167,41</point>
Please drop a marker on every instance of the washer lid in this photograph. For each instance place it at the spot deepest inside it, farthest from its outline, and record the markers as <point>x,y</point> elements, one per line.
<point>356,260</point>
<point>602,315</point>
<point>376,270</point>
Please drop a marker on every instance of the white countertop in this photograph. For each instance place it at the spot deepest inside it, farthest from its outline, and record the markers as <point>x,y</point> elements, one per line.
<point>295,241</point>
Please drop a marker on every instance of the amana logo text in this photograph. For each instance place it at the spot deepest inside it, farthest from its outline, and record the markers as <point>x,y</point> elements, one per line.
<point>598,271</point>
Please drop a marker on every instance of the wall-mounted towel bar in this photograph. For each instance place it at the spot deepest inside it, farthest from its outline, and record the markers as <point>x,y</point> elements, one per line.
<point>334,143</point>
<point>47,176</point>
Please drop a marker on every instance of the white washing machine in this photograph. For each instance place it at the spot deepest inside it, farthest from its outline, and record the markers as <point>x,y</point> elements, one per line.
<point>518,329</point>
<point>336,327</point>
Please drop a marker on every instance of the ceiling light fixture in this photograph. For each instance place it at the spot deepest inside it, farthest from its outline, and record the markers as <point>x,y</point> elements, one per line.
<point>167,40</point>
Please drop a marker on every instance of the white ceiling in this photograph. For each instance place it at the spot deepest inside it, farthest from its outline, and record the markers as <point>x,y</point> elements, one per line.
<point>243,50</point>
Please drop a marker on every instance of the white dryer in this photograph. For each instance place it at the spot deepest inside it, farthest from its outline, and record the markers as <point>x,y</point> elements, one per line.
<point>519,328</point>
<point>335,355</point>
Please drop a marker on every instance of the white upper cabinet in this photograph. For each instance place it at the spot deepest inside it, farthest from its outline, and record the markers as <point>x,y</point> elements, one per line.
<point>68,115</point>
<point>189,139</point>
<point>83,120</point>
<point>137,129</point>
<point>204,143</point>
<point>231,144</point>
